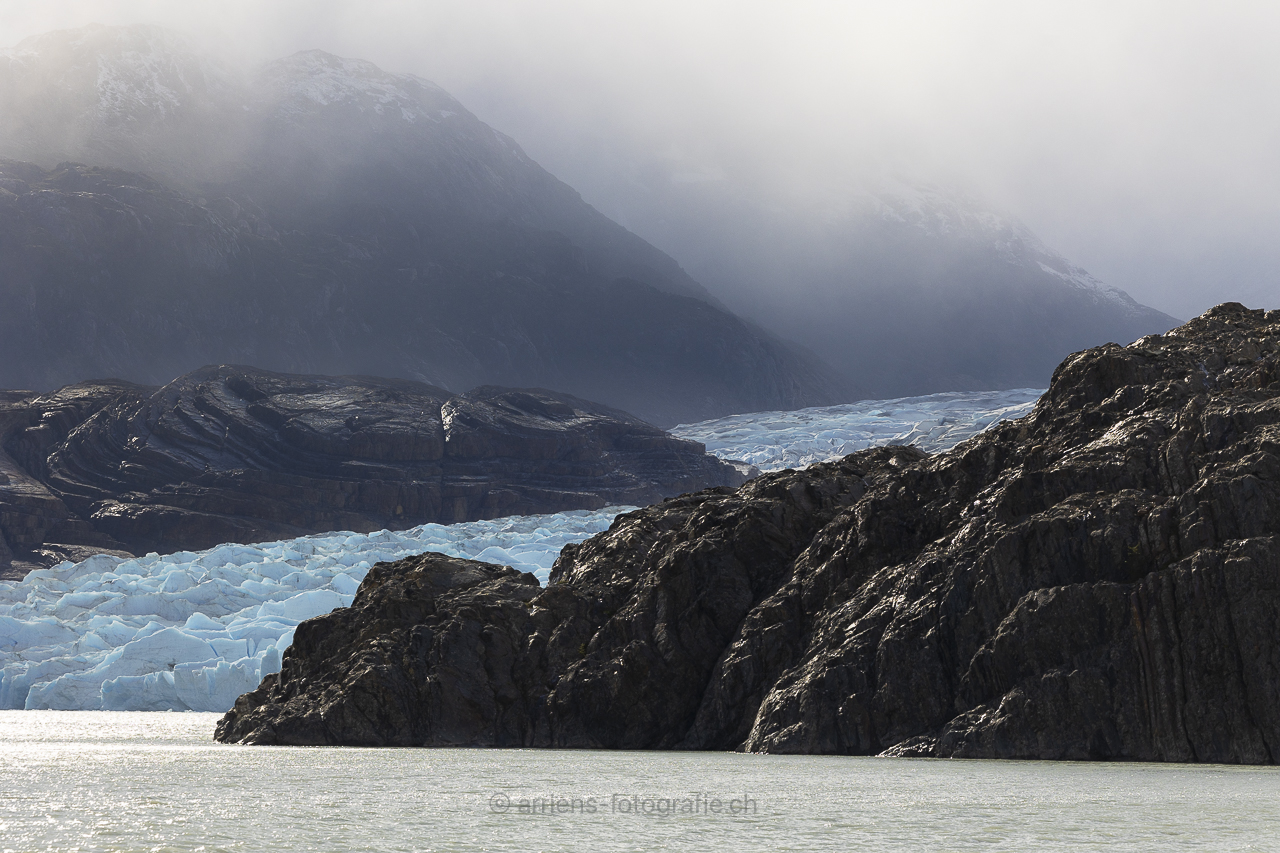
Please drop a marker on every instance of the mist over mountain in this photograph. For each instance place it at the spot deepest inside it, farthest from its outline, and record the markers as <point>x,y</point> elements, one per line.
<point>907,288</point>
<point>316,214</point>
<point>301,135</point>
<point>160,212</point>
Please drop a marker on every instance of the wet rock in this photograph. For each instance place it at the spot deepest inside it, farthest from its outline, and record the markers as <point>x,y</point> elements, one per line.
<point>1097,580</point>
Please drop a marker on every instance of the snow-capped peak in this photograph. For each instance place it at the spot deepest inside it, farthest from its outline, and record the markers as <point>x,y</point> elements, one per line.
<point>136,72</point>
<point>952,215</point>
<point>314,78</point>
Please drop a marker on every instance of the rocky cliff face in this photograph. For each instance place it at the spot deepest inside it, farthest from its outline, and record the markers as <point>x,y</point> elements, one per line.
<point>1098,580</point>
<point>238,454</point>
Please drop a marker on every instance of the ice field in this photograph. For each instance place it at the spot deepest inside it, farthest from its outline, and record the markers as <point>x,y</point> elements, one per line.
<point>192,631</point>
<point>772,441</point>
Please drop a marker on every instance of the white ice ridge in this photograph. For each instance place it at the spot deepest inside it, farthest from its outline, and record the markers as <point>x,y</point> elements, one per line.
<point>192,631</point>
<point>772,441</point>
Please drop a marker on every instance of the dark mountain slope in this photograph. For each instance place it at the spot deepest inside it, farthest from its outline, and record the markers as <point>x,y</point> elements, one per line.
<point>906,288</point>
<point>323,216</point>
<point>238,454</point>
<point>107,272</point>
<point>299,135</point>
<point>1097,580</point>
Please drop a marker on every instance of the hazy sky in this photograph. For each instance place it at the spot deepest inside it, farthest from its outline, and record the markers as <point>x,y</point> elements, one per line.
<point>1140,139</point>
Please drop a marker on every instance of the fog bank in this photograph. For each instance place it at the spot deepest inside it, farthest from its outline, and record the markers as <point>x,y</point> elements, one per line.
<point>1137,138</point>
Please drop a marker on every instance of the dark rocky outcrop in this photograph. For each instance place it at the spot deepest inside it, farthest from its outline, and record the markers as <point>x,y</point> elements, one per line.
<point>1098,580</point>
<point>36,527</point>
<point>238,454</point>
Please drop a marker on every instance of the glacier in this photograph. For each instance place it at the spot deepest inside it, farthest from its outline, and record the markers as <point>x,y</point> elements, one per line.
<point>194,630</point>
<point>772,441</point>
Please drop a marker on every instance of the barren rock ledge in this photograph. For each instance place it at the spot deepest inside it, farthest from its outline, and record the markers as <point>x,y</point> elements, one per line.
<point>1098,580</point>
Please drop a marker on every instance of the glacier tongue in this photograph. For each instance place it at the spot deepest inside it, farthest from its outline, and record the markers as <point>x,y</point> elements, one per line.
<point>192,631</point>
<point>772,441</point>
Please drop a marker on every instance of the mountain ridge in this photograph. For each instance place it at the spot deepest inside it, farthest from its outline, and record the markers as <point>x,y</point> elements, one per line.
<point>237,453</point>
<point>906,287</point>
<point>327,217</point>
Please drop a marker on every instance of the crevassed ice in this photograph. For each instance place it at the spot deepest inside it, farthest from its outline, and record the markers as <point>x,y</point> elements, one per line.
<point>772,441</point>
<point>192,631</point>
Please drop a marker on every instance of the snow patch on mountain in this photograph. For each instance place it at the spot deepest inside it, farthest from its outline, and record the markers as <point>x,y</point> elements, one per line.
<point>940,213</point>
<point>148,73</point>
<point>951,215</point>
<point>1077,277</point>
<point>136,72</point>
<point>322,79</point>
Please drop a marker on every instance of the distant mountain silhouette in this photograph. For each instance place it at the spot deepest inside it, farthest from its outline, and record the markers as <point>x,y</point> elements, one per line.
<point>906,288</point>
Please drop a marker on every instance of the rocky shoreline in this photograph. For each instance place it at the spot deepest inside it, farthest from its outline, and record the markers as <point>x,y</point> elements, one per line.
<point>1097,580</point>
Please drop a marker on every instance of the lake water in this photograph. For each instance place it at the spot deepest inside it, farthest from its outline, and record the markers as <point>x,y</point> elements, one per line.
<point>116,781</point>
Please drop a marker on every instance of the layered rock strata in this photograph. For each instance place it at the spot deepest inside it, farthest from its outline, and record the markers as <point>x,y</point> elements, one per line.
<point>237,454</point>
<point>1098,580</point>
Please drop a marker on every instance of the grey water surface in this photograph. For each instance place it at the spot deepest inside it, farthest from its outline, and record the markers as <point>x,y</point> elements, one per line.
<point>120,781</point>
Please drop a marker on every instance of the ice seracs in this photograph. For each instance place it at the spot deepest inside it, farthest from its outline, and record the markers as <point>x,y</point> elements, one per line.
<point>192,631</point>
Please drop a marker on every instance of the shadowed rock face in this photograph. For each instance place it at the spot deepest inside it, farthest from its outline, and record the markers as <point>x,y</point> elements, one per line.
<point>1098,580</point>
<point>238,454</point>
